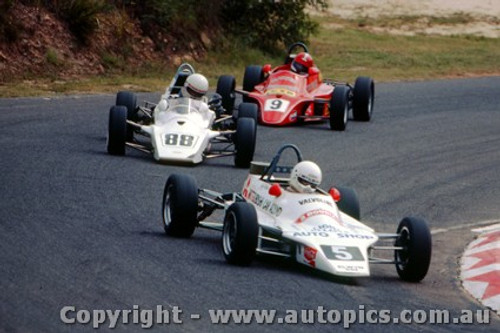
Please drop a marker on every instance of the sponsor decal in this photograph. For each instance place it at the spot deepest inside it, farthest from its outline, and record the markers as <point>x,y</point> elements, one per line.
<point>326,228</point>
<point>310,255</point>
<point>317,212</point>
<point>310,233</point>
<point>262,202</point>
<point>280,91</point>
<point>315,200</point>
<point>354,236</point>
<point>350,268</point>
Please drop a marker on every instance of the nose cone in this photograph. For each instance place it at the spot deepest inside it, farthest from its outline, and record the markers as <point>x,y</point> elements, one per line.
<point>273,117</point>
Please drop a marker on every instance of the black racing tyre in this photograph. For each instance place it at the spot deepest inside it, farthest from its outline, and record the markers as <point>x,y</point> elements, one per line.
<point>339,108</point>
<point>349,202</point>
<point>252,77</point>
<point>128,100</point>
<point>117,130</point>
<point>240,234</point>
<point>363,99</point>
<point>248,110</point>
<point>244,142</point>
<point>412,262</point>
<point>180,205</point>
<point>225,87</point>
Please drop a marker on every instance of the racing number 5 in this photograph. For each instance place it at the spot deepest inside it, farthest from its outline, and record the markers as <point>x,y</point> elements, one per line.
<point>341,253</point>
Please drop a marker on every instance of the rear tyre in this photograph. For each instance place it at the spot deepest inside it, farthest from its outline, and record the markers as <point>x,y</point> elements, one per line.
<point>117,130</point>
<point>363,99</point>
<point>339,108</point>
<point>412,262</point>
<point>128,100</point>
<point>180,205</point>
<point>248,110</point>
<point>225,87</point>
<point>349,202</point>
<point>244,142</point>
<point>252,77</point>
<point>240,233</point>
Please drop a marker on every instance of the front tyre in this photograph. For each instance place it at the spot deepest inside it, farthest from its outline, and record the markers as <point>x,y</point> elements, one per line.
<point>413,260</point>
<point>252,77</point>
<point>339,108</point>
<point>128,100</point>
<point>244,142</point>
<point>349,202</point>
<point>240,234</point>
<point>117,130</point>
<point>225,87</point>
<point>363,99</point>
<point>248,110</point>
<point>180,205</point>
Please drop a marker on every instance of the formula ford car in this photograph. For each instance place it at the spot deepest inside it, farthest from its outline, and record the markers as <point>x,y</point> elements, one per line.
<point>320,229</point>
<point>286,97</point>
<point>181,129</point>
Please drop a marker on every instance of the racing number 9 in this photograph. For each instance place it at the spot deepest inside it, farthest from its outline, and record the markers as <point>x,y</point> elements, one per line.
<point>276,104</point>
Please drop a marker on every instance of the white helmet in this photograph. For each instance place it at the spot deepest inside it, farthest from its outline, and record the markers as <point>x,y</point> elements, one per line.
<point>305,177</point>
<point>196,85</point>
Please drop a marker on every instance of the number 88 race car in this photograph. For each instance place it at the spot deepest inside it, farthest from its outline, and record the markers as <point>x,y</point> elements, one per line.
<point>180,128</point>
<point>320,229</point>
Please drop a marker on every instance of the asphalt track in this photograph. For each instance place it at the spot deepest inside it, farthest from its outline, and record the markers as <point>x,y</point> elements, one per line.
<point>80,227</point>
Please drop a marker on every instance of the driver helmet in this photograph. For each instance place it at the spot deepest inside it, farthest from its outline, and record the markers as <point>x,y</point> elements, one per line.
<point>196,85</point>
<point>305,177</point>
<point>301,63</point>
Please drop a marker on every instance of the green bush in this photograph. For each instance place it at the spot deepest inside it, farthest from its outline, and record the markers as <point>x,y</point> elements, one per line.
<point>268,24</point>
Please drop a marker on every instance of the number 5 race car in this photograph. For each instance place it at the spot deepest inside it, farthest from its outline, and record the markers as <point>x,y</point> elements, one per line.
<point>295,93</point>
<point>180,128</point>
<point>320,229</point>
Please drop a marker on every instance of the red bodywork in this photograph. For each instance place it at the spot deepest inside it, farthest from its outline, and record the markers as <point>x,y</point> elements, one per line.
<point>286,97</point>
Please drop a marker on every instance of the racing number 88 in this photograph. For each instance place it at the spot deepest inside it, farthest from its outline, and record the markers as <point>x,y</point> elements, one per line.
<point>173,140</point>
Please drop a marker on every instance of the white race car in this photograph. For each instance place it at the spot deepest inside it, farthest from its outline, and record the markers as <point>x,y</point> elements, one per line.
<point>320,230</point>
<point>182,129</point>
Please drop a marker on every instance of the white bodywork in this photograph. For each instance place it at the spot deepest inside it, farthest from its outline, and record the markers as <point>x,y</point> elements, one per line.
<point>324,237</point>
<point>181,131</point>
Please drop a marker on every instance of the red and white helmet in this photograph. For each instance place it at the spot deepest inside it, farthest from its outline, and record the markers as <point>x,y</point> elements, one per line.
<point>301,63</point>
<point>305,177</point>
<point>196,85</point>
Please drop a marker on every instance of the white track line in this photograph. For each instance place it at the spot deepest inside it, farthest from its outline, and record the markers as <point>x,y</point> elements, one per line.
<point>464,226</point>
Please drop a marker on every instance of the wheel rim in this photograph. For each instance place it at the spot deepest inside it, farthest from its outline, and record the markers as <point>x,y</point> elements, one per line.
<point>167,217</point>
<point>229,234</point>
<point>346,113</point>
<point>402,255</point>
<point>370,104</point>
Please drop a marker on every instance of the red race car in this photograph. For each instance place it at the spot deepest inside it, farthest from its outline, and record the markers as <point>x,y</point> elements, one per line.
<point>296,93</point>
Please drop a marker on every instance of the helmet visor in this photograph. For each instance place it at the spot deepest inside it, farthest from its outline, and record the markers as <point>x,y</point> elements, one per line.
<point>299,68</point>
<point>307,182</point>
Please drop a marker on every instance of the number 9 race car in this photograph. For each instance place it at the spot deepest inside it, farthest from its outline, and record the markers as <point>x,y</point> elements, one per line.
<point>285,96</point>
<point>319,229</point>
<point>182,129</point>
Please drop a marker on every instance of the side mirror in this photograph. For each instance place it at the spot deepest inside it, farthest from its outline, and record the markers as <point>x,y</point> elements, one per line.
<point>335,194</point>
<point>275,190</point>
